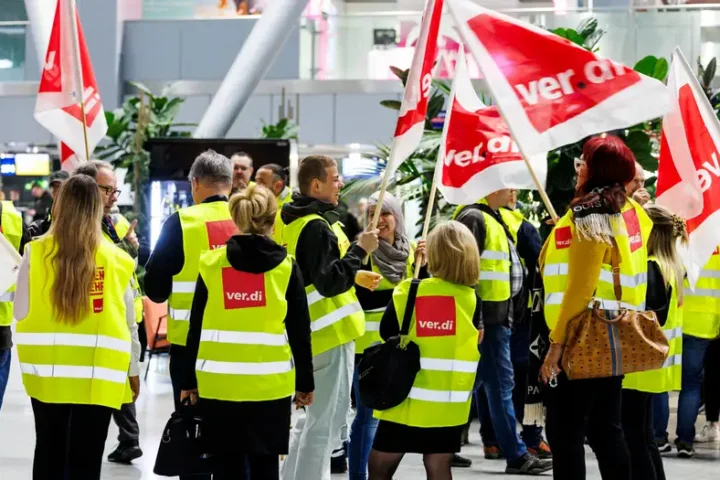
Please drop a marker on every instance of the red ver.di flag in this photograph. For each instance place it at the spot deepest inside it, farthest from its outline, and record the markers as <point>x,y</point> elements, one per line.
<point>411,122</point>
<point>550,91</point>
<point>477,155</point>
<point>67,77</point>
<point>689,171</point>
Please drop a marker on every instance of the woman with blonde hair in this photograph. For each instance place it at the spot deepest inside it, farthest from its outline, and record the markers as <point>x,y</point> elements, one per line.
<point>248,348</point>
<point>76,336</point>
<point>665,276</point>
<point>447,328</point>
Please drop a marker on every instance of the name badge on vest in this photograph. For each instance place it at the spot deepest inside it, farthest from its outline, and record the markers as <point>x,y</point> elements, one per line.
<point>632,224</point>
<point>219,232</point>
<point>96,289</point>
<point>243,289</point>
<point>435,316</point>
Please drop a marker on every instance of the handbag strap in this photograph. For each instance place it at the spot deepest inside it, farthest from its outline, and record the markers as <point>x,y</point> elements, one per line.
<point>615,264</point>
<point>410,307</point>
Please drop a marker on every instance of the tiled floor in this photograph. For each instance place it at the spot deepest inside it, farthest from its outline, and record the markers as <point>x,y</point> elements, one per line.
<point>17,440</point>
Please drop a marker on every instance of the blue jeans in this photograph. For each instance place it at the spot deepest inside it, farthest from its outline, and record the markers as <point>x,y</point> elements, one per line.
<point>4,371</point>
<point>693,360</point>
<point>362,434</point>
<point>661,415</point>
<point>495,373</point>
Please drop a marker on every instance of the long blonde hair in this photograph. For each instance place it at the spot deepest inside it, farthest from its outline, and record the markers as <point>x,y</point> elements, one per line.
<point>668,230</point>
<point>77,216</point>
<point>253,210</point>
<point>453,254</point>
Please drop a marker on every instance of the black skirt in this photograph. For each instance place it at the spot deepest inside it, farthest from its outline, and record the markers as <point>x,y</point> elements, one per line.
<point>259,428</point>
<point>396,438</point>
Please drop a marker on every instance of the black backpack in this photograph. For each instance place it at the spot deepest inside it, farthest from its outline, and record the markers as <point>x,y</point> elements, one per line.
<point>387,371</point>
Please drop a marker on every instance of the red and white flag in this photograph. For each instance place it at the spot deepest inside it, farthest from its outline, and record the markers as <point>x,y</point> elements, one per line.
<point>550,91</point>
<point>689,171</point>
<point>477,155</point>
<point>411,122</point>
<point>67,77</point>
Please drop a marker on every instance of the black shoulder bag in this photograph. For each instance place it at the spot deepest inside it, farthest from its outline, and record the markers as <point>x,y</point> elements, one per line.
<point>387,371</point>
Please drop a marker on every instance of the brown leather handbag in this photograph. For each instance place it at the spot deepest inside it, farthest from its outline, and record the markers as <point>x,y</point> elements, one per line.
<point>599,347</point>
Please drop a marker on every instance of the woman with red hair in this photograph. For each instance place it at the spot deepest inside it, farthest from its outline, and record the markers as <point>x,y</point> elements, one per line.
<point>576,265</point>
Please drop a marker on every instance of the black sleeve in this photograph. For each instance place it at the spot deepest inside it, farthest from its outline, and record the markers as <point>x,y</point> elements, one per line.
<point>474,220</point>
<point>193,339</point>
<point>389,324</point>
<point>165,262</point>
<point>529,244</point>
<point>297,324</point>
<point>318,256</point>
<point>25,238</point>
<point>657,298</point>
<point>477,315</point>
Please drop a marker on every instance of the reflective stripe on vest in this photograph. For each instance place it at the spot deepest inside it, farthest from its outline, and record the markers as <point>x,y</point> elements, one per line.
<point>633,268</point>
<point>702,319</point>
<point>443,330</point>
<point>669,377</point>
<point>205,226</point>
<point>337,320</point>
<point>85,362</point>
<point>244,353</point>
<point>12,226</point>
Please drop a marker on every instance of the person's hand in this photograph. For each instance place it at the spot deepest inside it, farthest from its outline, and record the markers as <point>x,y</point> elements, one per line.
<point>481,335</point>
<point>641,196</point>
<point>368,240</point>
<point>192,394</point>
<point>131,236</point>
<point>135,386</point>
<point>368,279</point>
<point>551,366</point>
<point>420,253</point>
<point>303,399</point>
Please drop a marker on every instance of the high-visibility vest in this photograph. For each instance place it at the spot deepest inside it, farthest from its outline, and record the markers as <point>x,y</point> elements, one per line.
<point>284,197</point>
<point>633,267</point>
<point>134,281</point>
<point>85,363</point>
<point>121,224</point>
<point>514,220</point>
<point>443,329</point>
<point>373,317</point>
<point>206,226</point>
<point>244,353</point>
<point>669,377</point>
<point>334,320</point>
<point>11,226</point>
<point>494,284</point>
<point>702,306</point>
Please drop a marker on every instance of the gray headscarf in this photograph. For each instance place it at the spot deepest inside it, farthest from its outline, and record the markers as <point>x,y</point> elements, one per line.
<point>391,260</point>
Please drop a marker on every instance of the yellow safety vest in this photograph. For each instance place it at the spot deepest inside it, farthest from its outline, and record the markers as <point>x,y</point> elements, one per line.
<point>206,226</point>
<point>633,267</point>
<point>702,307</point>
<point>443,329</point>
<point>135,282</point>
<point>336,320</point>
<point>284,197</point>
<point>494,284</point>
<point>86,363</point>
<point>513,219</point>
<point>244,353</point>
<point>669,377</point>
<point>121,224</point>
<point>11,226</point>
<point>373,317</point>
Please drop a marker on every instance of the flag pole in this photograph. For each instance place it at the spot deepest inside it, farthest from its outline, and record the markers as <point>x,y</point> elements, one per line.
<point>77,64</point>
<point>426,225</point>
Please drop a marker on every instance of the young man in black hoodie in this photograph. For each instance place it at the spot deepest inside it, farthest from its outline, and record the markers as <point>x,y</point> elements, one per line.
<point>328,263</point>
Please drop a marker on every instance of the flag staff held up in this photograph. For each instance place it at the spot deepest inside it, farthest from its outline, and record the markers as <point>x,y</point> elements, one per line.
<point>77,65</point>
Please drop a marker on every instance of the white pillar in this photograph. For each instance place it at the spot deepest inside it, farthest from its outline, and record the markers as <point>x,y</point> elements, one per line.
<point>256,56</point>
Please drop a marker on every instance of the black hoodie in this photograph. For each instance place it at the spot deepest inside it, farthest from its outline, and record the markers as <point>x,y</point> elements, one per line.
<point>259,254</point>
<point>317,252</point>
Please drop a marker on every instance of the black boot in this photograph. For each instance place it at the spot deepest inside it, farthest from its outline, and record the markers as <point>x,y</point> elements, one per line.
<point>125,453</point>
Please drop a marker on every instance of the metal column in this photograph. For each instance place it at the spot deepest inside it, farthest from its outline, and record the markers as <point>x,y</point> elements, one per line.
<point>256,57</point>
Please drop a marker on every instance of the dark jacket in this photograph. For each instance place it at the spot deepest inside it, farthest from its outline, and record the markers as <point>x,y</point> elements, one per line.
<point>657,298</point>
<point>259,254</point>
<point>317,253</point>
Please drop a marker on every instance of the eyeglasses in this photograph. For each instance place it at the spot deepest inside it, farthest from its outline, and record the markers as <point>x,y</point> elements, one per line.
<point>109,191</point>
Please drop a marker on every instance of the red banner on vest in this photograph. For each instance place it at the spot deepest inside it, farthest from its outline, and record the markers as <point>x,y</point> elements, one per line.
<point>243,289</point>
<point>219,232</point>
<point>632,224</point>
<point>563,238</point>
<point>551,91</point>
<point>435,316</point>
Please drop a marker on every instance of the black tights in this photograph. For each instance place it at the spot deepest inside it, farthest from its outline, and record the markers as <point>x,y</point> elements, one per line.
<point>383,465</point>
<point>712,382</point>
<point>261,467</point>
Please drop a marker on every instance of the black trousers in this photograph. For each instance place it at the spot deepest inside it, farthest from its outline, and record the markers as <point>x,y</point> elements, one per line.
<point>70,440</point>
<point>177,376</point>
<point>711,382</point>
<point>260,467</point>
<point>637,423</point>
<point>586,408</point>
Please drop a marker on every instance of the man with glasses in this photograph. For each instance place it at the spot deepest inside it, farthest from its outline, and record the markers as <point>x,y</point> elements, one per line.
<point>242,171</point>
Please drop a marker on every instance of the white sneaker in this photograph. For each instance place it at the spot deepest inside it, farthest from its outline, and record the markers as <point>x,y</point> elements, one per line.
<point>710,433</point>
